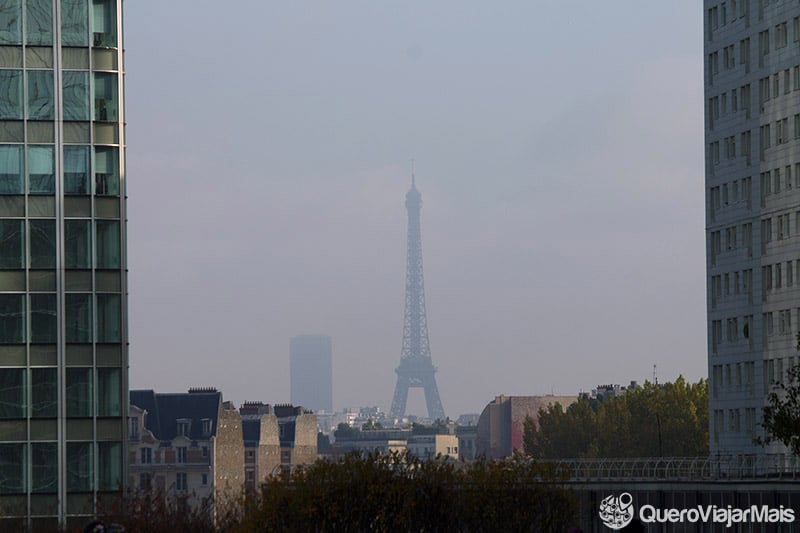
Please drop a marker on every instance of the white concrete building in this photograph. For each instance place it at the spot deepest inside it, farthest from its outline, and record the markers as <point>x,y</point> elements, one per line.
<point>752,142</point>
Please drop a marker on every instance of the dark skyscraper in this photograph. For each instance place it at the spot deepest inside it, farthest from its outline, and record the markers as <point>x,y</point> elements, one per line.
<point>416,367</point>
<point>311,372</point>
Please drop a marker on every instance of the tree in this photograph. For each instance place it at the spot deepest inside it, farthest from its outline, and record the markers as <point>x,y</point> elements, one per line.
<point>782,414</point>
<point>651,421</point>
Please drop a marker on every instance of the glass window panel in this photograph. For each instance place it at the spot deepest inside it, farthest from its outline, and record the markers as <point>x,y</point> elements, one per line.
<point>77,243</point>
<point>78,317</point>
<point>108,318</point>
<point>43,243</point>
<point>12,392</point>
<point>12,468</point>
<point>40,94</point>
<point>39,22</point>
<point>11,22</point>
<point>12,318</point>
<point>79,466</point>
<point>12,243</point>
<point>44,467</point>
<point>109,392</point>
<point>108,250</point>
<point>106,171</point>
<point>109,465</point>
<point>79,392</point>
<point>76,95</point>
<point>41,170</point>
<point>105,96</point>
<point>43,318</point>
<point>44,393</point>
<point>74,23</point>
<point>104,23</point>
<point>10,94</point>
<point>76,170</point>
<point>11,172</point>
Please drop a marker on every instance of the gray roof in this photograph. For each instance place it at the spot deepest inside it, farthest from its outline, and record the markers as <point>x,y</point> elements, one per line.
<point>164,410</point>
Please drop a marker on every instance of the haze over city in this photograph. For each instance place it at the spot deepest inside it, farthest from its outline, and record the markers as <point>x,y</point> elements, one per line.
<point>558,151</point>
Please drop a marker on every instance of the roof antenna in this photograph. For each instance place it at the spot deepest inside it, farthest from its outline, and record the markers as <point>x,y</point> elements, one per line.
<point>412,173</point>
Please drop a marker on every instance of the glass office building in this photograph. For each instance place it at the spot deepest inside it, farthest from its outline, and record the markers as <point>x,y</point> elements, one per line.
<point>63,301</point>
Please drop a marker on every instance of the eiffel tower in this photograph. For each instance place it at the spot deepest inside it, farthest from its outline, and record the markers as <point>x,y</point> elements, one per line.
<point>416,367</point>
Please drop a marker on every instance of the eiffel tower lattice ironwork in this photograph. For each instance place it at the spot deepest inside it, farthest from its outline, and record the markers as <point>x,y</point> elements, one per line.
<point>416,367</point>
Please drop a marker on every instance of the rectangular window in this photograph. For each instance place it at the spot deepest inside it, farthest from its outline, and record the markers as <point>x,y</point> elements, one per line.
<point>109,466</point>
<point>43,318</point>
<point>44,467</point>
<point>181,454</point>
<point>12,244</point>
<point>41,170</point>
<point>780,35</point>
<point>79,392</point>
<point>10,94</point>
<point>11,22</point>
<point>106,171</point>
<point>204,479</point>
<point>13,468</point>
<point>105,97</point>
<point>44,392</point>
<point>77,243</point>
<point>11,171</point>
<point>109,392</point>
<point>78,317</point>
<point>180,481</point>
<point>76,170</point>
<point>12,393</point>
<point>104,23</point>
<point>39,22</point>
<point>76,95</point>
<point>40,94</point>
<point>74,23</point>
<point>108,247</point>
<point>147,456</point>
<point>43,243</point>
<point>79,466</point>
<point>108,318</point>
<point>12,318</point>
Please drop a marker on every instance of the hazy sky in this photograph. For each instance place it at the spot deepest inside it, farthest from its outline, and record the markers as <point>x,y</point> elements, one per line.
<point>559,153</point>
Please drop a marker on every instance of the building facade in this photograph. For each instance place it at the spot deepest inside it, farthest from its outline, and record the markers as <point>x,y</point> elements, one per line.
<point>752,142</point>
<point>311,372</point>
<point>187,446</point>
<point>262,445</point>
<point>63,297</point>
<point>501,426</point>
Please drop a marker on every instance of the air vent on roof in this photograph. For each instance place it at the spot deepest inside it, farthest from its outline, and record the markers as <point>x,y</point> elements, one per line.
<point>202,389</point>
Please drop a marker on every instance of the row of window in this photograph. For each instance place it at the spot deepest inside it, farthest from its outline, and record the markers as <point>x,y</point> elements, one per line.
<point>782,136</point>
<point>778,228</point>
<point>31,169</point>
<point>75,90</point>
<point>42,457</point>
<point>737,191</point>
<point>42,384</point>
<point>181,481</point>
<point>78,243</point>
<point>146,454</point>
<point>734,283</point>
<point>734,421</point>
<point>75,22</point>
<point>736,375</point>
<point>773,323</point>
<point>739,101</point>
<point>720,15</point>
<point>40,314</point>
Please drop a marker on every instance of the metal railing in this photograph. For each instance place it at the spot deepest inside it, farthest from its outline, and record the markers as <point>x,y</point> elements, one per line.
<point>718,468</point>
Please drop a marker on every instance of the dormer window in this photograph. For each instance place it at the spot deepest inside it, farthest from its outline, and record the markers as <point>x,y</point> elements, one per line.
<point>184,425</point>
<point>206,426</point>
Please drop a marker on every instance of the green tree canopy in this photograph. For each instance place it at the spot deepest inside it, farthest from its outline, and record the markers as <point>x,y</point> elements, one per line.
<point>650,421</point>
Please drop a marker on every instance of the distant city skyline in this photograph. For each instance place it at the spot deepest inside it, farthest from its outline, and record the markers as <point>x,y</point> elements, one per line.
<point>559,147</point>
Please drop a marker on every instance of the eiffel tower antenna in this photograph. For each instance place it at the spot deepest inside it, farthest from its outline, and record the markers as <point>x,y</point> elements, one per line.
<point>416,367</point>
